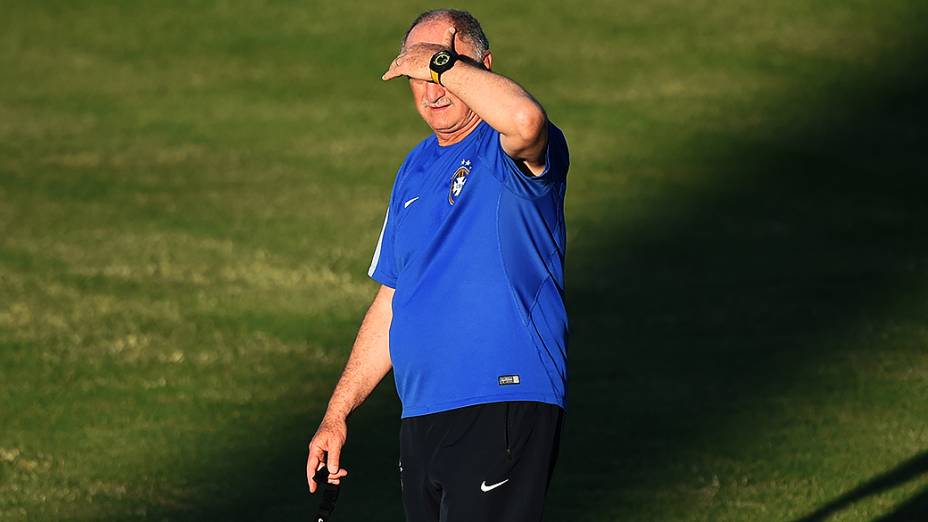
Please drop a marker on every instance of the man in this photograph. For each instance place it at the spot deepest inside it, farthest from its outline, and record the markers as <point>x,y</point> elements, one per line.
<point>470,313</point>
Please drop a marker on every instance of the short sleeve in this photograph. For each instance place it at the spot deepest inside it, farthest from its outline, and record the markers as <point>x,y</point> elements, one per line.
<point>383,265</point>
<point>557,162</point>
<point>382,268</point>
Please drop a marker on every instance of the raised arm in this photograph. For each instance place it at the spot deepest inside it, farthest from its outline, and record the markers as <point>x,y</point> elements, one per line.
<point>501,102</point>
<point>367,365</point>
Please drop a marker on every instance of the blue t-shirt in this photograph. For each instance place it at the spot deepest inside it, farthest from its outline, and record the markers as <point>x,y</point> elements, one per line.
<point>475,251</point>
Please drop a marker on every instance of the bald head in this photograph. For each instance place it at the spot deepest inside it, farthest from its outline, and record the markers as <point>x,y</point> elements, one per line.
<point>467,27</point>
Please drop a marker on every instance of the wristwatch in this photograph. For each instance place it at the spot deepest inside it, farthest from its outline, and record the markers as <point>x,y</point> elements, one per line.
<point>441,62</point>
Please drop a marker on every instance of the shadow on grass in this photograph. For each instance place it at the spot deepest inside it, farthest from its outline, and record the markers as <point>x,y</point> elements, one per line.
<point>914,509</point>
<point>692,328</point>
<point>708,309</point>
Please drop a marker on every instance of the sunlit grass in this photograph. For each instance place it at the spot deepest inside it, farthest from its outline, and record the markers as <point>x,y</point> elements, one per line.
<point>190,194</point>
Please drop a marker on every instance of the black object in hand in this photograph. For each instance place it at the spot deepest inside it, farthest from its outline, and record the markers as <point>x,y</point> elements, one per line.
<point>329,496</point>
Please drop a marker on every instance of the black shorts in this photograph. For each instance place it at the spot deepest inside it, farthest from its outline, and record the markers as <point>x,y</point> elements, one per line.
<point>483,463</point>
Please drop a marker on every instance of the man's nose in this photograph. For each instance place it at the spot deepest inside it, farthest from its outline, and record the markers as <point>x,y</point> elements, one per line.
<point>433,92</point>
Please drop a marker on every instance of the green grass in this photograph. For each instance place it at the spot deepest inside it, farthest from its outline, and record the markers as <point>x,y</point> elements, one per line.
<point>190,194</point>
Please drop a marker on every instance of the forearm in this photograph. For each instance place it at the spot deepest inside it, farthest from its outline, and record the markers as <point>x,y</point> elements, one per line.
<point>499,101</point>
<point>369,361</point>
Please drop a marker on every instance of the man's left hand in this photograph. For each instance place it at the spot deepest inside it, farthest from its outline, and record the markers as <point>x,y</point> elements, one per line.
<point>413,61</point>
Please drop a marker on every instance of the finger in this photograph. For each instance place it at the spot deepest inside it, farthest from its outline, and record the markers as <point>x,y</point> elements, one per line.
<point>342,473</point>
<point>393,71</point>
<point>310,467</point>
<point>449,38</point>
<point>313,463</point>
<point>334,454</point>
<point>395,63</point>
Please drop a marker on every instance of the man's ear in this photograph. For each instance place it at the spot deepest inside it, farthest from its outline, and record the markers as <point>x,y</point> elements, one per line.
<point>488,60</point>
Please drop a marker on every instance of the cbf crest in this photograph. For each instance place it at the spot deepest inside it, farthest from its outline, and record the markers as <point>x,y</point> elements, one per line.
<point>458,180</point>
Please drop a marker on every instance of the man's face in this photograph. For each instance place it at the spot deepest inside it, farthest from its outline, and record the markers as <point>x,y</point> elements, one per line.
<point>441,110</point>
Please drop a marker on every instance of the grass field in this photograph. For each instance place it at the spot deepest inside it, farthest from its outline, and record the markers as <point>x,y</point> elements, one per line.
<point>190,193</point>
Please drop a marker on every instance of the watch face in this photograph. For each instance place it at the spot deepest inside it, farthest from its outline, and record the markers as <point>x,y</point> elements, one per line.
<point>441,58</point>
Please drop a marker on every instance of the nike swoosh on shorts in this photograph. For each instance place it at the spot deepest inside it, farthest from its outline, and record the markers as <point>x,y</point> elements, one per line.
<point>485,488</point>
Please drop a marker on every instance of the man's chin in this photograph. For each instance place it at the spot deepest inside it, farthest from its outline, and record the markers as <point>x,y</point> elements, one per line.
<point>440,124</point>
<point>440,118</point>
